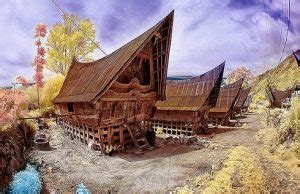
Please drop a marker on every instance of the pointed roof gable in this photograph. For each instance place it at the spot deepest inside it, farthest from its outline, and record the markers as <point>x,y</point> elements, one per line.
<point>297,56</point>
<point>277,96</point>
<point>191,95</point>
<point>86,82</point>
<point>242,97</point>
<point>227,97</point>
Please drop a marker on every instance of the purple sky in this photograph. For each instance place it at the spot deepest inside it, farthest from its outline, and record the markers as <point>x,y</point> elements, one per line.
<point>205,33</point>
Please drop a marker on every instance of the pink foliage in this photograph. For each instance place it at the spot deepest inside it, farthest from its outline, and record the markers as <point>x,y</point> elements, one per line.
<point>39,79</point>
<point>40,30</point>
<point>41,51</point>
<point>39,60</point>
<point>12,105</point>
<point>22,80</point>
<point>38,43</point>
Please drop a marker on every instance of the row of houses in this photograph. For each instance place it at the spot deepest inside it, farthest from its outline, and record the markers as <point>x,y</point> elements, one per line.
<point>125,96</point>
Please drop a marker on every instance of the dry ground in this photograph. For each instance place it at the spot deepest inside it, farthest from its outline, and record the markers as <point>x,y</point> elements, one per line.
<point>162,169</point>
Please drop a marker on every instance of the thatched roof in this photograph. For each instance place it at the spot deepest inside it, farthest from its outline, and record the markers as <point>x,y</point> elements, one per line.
<point>86,82</point>
<point>227,97</point>
<point>191,95</point>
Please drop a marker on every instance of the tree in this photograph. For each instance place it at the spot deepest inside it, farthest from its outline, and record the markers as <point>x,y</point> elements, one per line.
<point>22,81</point>
<point>50,90</point>
<point>66,41</point>
<point>39,60</point>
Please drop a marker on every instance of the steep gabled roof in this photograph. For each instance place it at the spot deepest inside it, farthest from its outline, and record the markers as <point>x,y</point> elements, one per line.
<point>242,97</point>
<point>191,95</point>
<point>85,82</point>
<point>297,56</point>
<point>277,96</point>
<point>227,97</point>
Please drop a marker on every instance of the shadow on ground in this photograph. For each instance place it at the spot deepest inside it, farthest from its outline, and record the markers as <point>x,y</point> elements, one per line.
<point>162,150</point>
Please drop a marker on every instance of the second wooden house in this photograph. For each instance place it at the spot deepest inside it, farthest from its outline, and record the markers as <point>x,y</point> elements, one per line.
<point>242,103</point>
<point>222,112</point>
<point>185,111</point>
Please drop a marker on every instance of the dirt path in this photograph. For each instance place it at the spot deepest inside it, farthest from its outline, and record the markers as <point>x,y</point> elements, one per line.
<point>165,168</point>
<point>279,178</point>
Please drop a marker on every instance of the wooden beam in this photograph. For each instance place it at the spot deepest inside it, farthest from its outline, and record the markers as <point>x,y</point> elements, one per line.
<point>152,81</point>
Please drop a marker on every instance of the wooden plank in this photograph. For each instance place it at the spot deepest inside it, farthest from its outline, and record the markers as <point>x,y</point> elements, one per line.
<point>121,136</point>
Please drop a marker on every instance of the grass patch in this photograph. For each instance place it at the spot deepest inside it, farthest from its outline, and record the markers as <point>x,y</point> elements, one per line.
<point>242,173</point>
<point>281,136</point>
<point>184,190</point>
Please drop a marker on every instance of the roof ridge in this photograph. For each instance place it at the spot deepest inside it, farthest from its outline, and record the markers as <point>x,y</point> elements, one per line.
<point>102,72</point>
<point>198,88</point>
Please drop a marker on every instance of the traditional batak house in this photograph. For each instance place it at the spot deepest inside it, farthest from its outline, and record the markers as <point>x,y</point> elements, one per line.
<point>297,56</point>
<point>186,108</point>
<point>279,98</point>
<point>223,110</point>
<point>296,92</point>
<point>242,104</point>
<point>110,100</point>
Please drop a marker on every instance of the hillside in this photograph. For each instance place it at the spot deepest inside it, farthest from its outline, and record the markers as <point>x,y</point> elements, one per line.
<point>239,73</point>
<point>283,76</point>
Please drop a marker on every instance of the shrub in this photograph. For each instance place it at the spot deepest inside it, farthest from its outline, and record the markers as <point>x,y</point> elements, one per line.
<point>268,136</point>
<point>47,93</point>
<point>13,104</point>
<point>31,93</point>
<point>26,181</point>
<point>50,91</point>
<point>184,190</point>
<point>294,116</point>
<point>202,181</point>
<point>282,136</point>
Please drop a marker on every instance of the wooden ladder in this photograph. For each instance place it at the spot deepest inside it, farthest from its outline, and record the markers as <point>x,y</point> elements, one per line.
<point>139,141</point>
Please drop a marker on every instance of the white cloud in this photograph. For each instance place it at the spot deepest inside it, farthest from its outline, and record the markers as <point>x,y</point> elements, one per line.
<point>205,33</point>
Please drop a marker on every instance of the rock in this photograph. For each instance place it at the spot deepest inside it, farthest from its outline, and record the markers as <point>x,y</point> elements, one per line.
<point>90,144</point>
<point>49,170</point>
<point>150,148</point>
<point>235,183</point>
<point>12,143</point>
<point>138,152</point>
<point>193,139</point>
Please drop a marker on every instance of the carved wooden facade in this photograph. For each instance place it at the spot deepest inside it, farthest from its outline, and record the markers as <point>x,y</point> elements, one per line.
<point>185,110</point>
<point>221,113</point>
<point>111,100</point>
